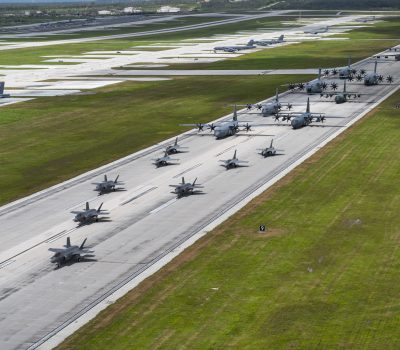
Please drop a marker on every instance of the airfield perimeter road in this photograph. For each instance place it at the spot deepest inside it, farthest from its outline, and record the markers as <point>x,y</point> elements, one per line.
<point>146,221</point>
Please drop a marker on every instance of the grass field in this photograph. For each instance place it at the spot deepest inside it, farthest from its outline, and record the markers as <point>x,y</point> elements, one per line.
<point>325,276</point>
<point>47,140</point>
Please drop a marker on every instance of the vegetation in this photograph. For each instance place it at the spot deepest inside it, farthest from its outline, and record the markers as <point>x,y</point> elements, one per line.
<point>324,276</point>
<point>48,140</point>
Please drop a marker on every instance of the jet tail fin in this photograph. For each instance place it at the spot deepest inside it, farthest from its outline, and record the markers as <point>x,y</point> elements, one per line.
<point>98,210</point>
<point>83,244</point>
<point>116,179</point>
<point>271,143</point>
<point>176,142</point>
<point>194,182</point>
<point>234,155</point>
<point>68,242</point>
<point>183,180</point>
<point>281,37</point>
<point>105,178</point>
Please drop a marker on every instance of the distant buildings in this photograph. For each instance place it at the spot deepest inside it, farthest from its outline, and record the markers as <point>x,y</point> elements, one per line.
<point>169,9</point>
<point>132,10</point>
<point>104,12</point>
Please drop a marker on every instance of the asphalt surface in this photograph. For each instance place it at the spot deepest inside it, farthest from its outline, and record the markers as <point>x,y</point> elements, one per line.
<point>146,221</point>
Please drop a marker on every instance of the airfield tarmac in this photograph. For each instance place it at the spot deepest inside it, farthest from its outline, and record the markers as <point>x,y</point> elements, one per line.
<point>146,221</point>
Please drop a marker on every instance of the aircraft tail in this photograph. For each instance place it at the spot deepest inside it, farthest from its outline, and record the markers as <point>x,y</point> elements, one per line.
<point>87,206</point>
<point>250,43</point>
<point>194,182</point>
<point>98,210</point>
<point>235,113</point>
<point>308,105</point>
<point>83,244</point>
<point>270,146</point>
<point>68,242</point>
<point>349,62</point>
<point>344,86</point>
<point>281,38</point>
<point>116,179</point>
<point>1,87</point>
<point>183,180</point>
<point>176,142</point>
<point>277,95</point>
<point>105,178</point>
<point>234,155</point>
<point>376,66</point>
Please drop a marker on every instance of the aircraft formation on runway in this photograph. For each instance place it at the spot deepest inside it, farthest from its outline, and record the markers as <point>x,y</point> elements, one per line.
<point>233,127</point>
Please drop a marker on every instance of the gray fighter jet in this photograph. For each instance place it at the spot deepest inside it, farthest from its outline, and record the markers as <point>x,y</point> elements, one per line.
<point>248,46</point>
<point>267,42</point>
<point>316,86</point>
<point>226,128</point>
<point>88,215</point>
<point>270,108</point>
<point>300,119</point>
<point>374,78</point>
<point>186,188</point>
<point>175,148</point>
<point>106,185</point>
<point>269,151</point>
<point>165,160</point>
<point>69,253</point>
<point>233,162</point>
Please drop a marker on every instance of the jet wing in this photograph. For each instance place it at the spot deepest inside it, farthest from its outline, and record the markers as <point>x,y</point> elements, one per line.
<point>56,250</point>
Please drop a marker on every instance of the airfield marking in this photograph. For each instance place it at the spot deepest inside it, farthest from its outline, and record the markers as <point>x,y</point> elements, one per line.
<point>161,207</point>
<point>138,196</point>
<point>187,170</point>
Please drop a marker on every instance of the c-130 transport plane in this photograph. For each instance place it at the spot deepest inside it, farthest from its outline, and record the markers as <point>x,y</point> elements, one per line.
<point>226,128</point>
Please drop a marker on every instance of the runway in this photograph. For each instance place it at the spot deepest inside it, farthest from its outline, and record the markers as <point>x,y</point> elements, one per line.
<point>146,221</point>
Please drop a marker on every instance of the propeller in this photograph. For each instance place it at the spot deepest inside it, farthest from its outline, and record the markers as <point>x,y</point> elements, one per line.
<point>324,86</point>
<point>330,95</point>
<point>380,78</point>
<point>362,71</point>
<point>334,71</point>
<point>359,77</point>
<point>321,95</point>
<point>200,127</point>
<point>289,106</point>
<point>292,86</point>
<point>326,72</point>
<point>259,106</point>
<point>350,78</point>
<point>389,79</point>
<point>334,86</point>
<point>249,106</point>
<point>212,126</point>
<point>301,86</point>
<point>353,71</point>
<point>355,96</point>
<point>247,127</point>
<point>276,117</point>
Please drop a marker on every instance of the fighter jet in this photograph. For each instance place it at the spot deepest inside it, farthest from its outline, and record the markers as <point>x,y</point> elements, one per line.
<point>175,148</point>
<point>88,215</point>
<point>249,45</point>
<point>302,119</point>
<point>317,30</point>
<point>266,42</point>
<point>233,162</point>
<point>186,188</point>
<point>106,185</point>
<point>69,253</point>
<point>270,108</point>
<point>165,160</point>
<point>225,128</point>
<point>374,78</point>
<point>269,151</point>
